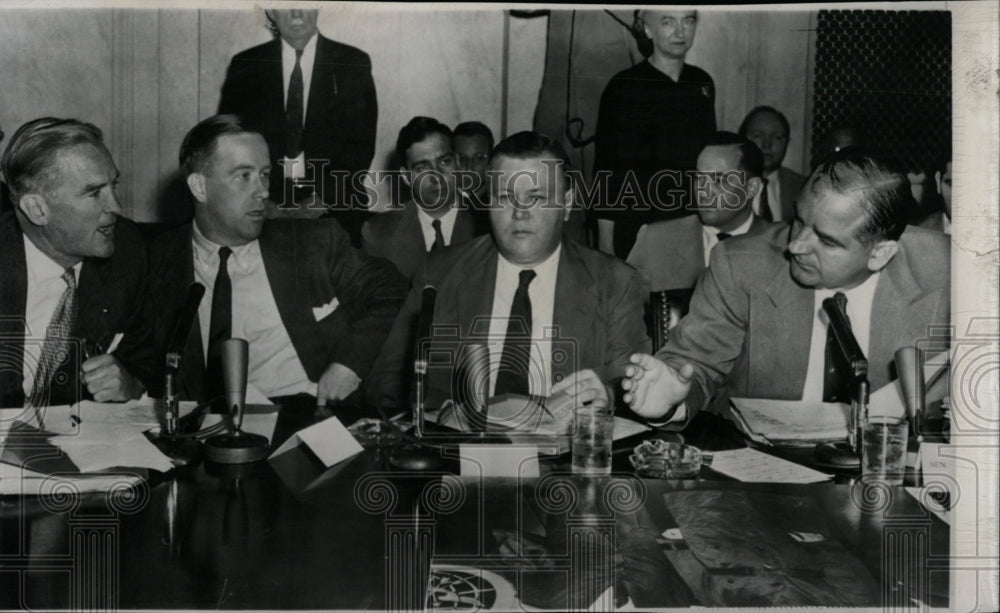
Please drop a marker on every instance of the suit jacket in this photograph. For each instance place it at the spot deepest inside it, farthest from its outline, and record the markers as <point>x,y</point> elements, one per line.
<point>671,254</point>
<point>397,236</point>
<point>791,184</point>
<point>112,298</point>
<point>341,112</point>
<point>308,264</point>
<point>598,311</point>
<point>934,221</point>
<point>750,325</point>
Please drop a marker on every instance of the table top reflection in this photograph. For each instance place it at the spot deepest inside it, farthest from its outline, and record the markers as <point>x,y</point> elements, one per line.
<point>289,534</point>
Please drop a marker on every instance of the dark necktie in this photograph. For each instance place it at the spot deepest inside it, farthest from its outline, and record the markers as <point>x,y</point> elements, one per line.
<point>294,110</point>
<point>722,236</point>
<point>835,375</point>
<point>765,205</point>
<point>512,378</point>
<point>438,235</point>
<point>220,327</point>
<point>57,334</point>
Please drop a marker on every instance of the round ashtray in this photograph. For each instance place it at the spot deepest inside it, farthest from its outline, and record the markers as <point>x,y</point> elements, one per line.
<point>658,459</point>
<point>375,432</point>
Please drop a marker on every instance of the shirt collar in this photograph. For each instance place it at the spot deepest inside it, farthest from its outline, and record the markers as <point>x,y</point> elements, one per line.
<point>546,268</point>
<point>427,220</point>
<point>288,51</point>
<point>41,267</point>
<point>741,229</point>
<point>207,251</point>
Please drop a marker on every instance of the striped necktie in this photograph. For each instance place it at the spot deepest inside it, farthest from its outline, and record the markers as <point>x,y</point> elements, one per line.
<point>55,351</point>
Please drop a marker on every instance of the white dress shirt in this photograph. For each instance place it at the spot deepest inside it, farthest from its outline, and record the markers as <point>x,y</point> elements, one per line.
<point>295,168</point>
<point>710,236</point>
<point>273,366</point>
<point>427,226</point>
<point>859,310</point>
<point>45,290</point>
<point>773,196</point>
<point>542,293</point>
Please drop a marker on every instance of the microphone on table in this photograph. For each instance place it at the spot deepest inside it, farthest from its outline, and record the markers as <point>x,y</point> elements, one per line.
<point>910,368</point>
<point>416,457</point>
<point>175,349</point>
<point>235,447</point>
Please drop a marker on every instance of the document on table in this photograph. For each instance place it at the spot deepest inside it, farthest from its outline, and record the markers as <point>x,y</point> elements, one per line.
<point>775,422</point>
<point>752,466</point>
<point>19,481</point>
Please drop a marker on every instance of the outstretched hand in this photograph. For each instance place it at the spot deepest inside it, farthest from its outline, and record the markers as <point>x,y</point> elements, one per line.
<point>653,387</point>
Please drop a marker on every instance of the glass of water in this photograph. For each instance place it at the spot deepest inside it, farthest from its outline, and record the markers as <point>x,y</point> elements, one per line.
<point>593,433</point>
<point>883,447</point>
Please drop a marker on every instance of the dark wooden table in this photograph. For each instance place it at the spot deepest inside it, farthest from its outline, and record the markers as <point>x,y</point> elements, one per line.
<point>288,534</point>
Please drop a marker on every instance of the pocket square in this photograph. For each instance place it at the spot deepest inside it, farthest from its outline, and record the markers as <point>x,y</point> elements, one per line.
<point>322,311</point>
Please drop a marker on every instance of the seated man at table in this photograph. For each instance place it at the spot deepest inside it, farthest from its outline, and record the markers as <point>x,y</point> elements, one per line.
<point>756,327</point>
<point>314,310</point>
<point>72,273</point>
<point>672,254</point>
<point>559,319</point>
<point>437,215</point>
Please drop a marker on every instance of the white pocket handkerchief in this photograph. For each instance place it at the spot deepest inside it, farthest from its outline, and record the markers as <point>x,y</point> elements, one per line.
<point>322,311</point>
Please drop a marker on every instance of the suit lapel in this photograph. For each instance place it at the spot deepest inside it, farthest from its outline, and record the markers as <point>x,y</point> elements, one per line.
<point>573,312</point>
<point>323,87</point>
<point>465,227</point>
<point>785,323</point>
<point>13,299</point>
<point>896,289</point>
<point>477,286</point>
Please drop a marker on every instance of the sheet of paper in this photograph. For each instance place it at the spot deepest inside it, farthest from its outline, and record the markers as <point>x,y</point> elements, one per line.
<point>257,419</point>
<point>498,461</point>
<point>17,481</point>
<point>328,439</point>
<point>752,466</point>
<point>100,448</point>
<point>792,420</point>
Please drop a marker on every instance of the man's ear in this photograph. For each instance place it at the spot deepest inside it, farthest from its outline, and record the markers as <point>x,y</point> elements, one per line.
<point>937,180</point>
<point>406,174</point>
<point>881,253</point>
<point>570,197</point>
<point>753,187</point>
<point>196,183</point>
<point>35,208</point>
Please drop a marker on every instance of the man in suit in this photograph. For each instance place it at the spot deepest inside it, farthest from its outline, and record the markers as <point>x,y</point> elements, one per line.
<point>769,129</point>
<point>941,220</point>
<point>314,310</point>
<point>559,319</point>
<point>756,327</point>
<point>473,144</point>
<point>673,254</point>
<point>74,300</point>
<point>437,215</point>
<point>313,100</point>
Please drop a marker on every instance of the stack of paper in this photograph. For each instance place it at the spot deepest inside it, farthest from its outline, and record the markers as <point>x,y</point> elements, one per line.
<point>790,422</point>
<point>752,466</point>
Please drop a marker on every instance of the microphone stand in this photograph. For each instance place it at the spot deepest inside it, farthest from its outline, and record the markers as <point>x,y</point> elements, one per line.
<point>235,447</point>
<point>416,456</point>
<point>182,451</point>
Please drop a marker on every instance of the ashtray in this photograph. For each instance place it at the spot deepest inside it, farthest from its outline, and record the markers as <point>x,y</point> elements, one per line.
<point>375,432</point>
<point>658,459</point>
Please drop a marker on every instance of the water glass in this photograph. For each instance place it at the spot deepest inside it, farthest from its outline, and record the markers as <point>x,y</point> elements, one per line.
<point>883,451</point>
<point>593,434</point>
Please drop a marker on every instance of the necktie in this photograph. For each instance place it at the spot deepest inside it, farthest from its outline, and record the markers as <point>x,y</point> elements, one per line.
<point>294,110</point>
<point>765,205</point>
<point>512,378</point>
<point>835,365</point>
<point>722,236</point>
<point>57,334</point>
<point>220,327</point>
<point>438,235</point>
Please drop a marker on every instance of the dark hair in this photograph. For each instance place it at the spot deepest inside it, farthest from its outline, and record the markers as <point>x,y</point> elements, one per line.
<point>529,144</point>
<point>751,158</point>
<point>417,130</point>
<point>764,109</point>
<point>881,190</point>
<point>942,159</point>
<point>475,128</point>
<point>27,163</point>
<point>199,143</point>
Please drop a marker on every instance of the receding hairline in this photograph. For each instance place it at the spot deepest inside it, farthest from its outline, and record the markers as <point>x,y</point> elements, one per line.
<point>44,180</point>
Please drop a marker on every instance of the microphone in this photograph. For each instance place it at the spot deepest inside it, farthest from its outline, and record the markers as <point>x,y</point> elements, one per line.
<point>175,349</point>
<point>234,377</point>
<point>910,368</point>
<point>427,300</point>
<point>847,342</point>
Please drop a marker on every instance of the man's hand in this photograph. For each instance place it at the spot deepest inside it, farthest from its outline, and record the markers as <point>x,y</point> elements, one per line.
<point>108,381</point>
<point>652,387</point>
<point>337,383</point>
<point>579,388</point>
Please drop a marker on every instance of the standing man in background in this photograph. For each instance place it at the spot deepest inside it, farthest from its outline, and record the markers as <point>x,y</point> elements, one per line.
<point>313,100</point>
<point>654,116</point>
<point>768,128</point>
